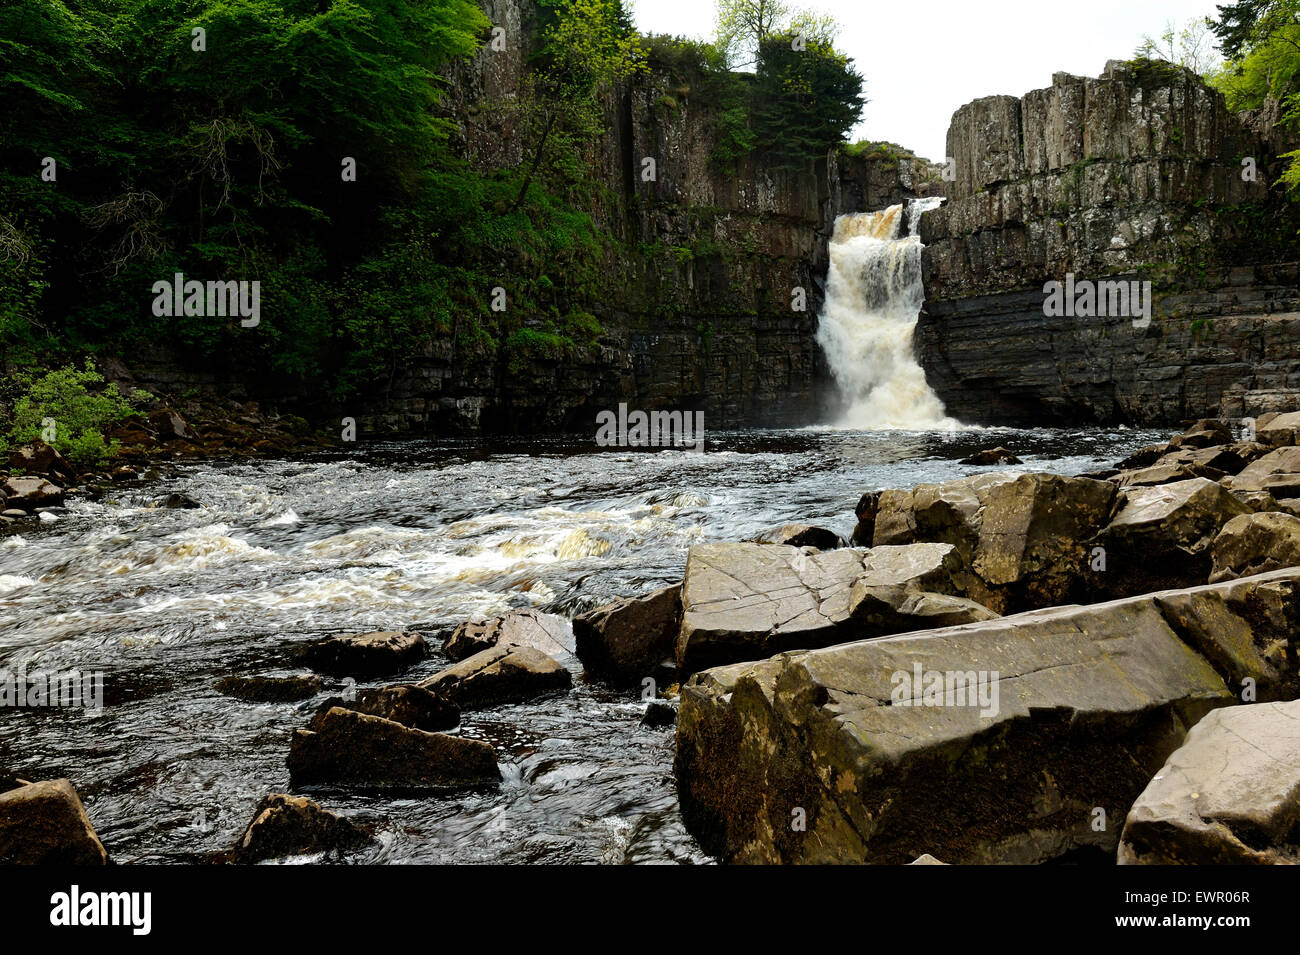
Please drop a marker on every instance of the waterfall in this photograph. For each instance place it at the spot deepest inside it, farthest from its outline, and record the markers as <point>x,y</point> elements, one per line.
<point>873,298</point>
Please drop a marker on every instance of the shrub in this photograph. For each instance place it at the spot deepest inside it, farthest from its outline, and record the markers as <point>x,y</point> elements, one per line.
<point>80,406</point>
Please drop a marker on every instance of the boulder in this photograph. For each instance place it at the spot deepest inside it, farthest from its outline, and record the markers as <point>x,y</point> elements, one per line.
<point>992,742</point>
<point>503,674</point>
<point>168,425</point>
<point>1204,434</point>
<point>408,705</point>
<point>911,587</point>
<point>801,535</point>
<point>285,825</point>
<point>991,456</point>
<point>1143,457</point>
<point>926,859</point>
<point>1245,628</point>
<point>547,632</point>
<point>659,714</point>
<point>1279,430</point>
<point>1160,536</point>
<point>1277,472</point>
<point>37,457</point>
<point>626,640</point>
<point>1021,536</point>
<point>271,689</point>
<point>1230,795</point>
<point>45,823</point>
<point>1255,543</point>
<point>29,493</point>
<point>367,654</point>
<point>352,749</point>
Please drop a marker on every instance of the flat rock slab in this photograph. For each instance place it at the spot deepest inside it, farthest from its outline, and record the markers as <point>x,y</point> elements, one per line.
<point>45,823</point>
<point>1277,472</point>
<point>626,641</point>
<point>285,825</point>
<point>547,632</point>
<point>990,742</point>
<point>504,674</point>
<point>1230,795</point>
<point>746,601</point>
<point>367,654</point>
<point>1280,430</point>
<point>409,705</point>
<point>353,750</point>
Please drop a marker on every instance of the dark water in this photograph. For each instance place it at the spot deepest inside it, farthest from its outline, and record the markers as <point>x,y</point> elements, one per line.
<point>395,536</point>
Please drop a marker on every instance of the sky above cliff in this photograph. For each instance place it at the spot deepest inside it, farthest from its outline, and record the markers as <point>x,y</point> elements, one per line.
<point>922,60</point>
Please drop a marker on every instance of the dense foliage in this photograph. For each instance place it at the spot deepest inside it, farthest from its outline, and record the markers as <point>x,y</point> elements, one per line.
<point>224,157</point>
<point>306,145</point>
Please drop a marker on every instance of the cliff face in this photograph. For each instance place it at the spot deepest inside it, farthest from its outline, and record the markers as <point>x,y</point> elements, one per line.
<point>697,300</point>
<point>1136,174</point>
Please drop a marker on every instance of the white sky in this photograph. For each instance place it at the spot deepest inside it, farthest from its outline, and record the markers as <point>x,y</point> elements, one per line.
<point>924,58</point>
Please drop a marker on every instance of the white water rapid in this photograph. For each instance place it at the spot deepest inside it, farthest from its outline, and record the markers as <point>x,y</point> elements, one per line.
<point>873,299</point>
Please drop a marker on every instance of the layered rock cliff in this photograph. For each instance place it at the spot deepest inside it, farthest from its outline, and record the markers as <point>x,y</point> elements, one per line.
<point>1139,174</point>
<point>697,299</point>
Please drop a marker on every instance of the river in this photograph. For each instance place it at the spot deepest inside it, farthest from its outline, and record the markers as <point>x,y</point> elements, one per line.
<point>413,535</point>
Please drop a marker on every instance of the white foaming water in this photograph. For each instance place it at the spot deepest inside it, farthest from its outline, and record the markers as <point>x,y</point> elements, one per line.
<point>873,298</point>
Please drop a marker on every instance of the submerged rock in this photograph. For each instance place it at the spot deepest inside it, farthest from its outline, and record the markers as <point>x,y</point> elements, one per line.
<point>549,633</point>
<point>997,455</point>
<point>1230,795</point>
<point>659,714</point>
<point>626,641</point>
<point>271,689</point>
<point>409,705</point>
<point>367,654</point>
<point>347,748</point>
<point>503,674</point>
<point>801,535</point>
<point>45,823</point>
<point>285,825</point>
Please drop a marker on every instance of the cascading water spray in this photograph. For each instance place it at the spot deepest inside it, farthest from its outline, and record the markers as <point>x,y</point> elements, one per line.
<point>873,298</point>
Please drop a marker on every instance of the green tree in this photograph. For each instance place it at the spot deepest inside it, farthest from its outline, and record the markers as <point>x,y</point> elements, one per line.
<point>807,98</point>
<point>586,46</point>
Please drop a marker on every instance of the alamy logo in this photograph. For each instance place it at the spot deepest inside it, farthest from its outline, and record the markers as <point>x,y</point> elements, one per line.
<point>653,429</point>
<point>1088,299</point>
<point>73,908</point>
<point>41,688</point>
<point>946,688</point>
<point>208,299</point>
